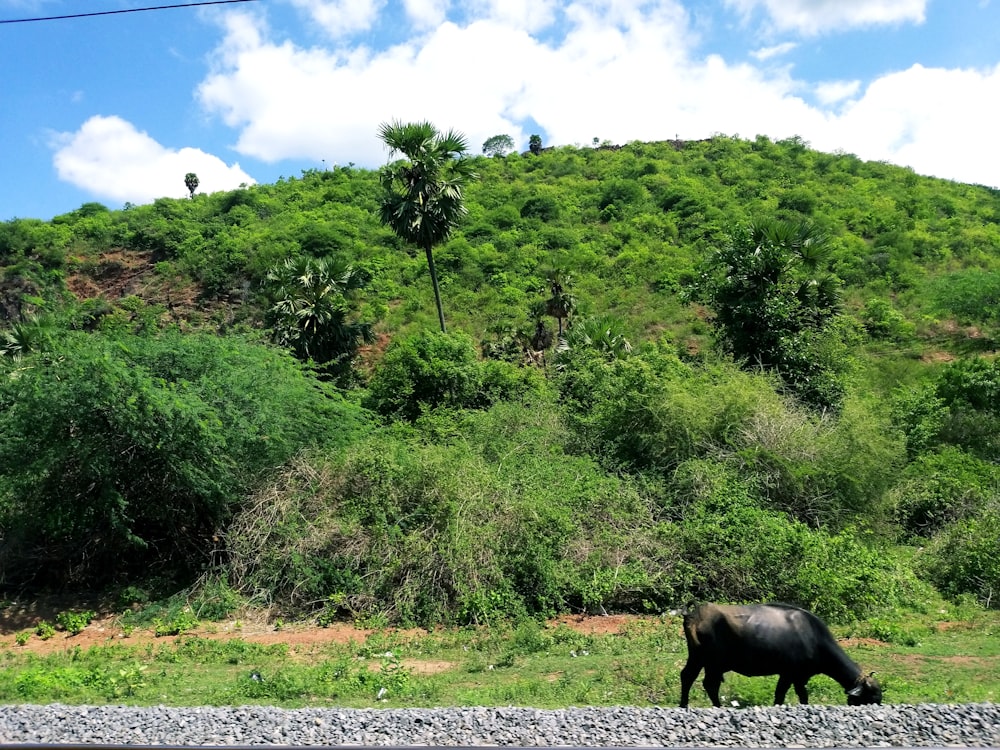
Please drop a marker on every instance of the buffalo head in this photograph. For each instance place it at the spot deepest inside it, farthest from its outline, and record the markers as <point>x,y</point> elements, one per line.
<point>865,691</point>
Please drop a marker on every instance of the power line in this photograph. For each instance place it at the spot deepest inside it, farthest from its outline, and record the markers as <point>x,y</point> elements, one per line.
<point>128,10</point>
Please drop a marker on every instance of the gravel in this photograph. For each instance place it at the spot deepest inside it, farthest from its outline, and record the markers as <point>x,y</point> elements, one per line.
<point>925,725</point>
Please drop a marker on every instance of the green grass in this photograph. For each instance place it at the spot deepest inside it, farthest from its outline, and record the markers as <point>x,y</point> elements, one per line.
<point>936,657</point>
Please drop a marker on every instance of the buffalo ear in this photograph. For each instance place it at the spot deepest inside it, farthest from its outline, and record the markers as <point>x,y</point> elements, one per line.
<point>855,692</point>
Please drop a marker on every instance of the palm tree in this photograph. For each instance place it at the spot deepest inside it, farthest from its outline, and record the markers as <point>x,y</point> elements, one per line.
<point>562,303</point>
<point>423,195</point>
<point>191,182</point>
<point>310,314</point>
<point>603,334</point>
<point>30,335</point>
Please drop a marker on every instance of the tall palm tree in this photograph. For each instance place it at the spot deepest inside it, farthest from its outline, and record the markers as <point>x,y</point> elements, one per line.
<point>191,182</point>
<point>423,195</point>
<point>562,303</point>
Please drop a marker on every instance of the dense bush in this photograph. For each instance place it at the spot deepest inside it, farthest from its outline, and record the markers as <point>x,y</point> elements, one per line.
<point>881,321</point>
<point>942,487</point>
<point>735,550</point>
<point>587,494</point>
<point>432,370</point>
<point>125,456</point>
<point>497,524</point>
<point>970,388</point>
<point>650,412</point>
<point>963,558</point>
<point>972,295</point>
<point>775,305</point>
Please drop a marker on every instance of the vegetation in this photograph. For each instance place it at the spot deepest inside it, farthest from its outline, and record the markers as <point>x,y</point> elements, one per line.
<point>948,657</point>
<point>729,369</point>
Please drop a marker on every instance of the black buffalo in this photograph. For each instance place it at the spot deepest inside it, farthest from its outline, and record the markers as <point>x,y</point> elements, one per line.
<point>768,639</point>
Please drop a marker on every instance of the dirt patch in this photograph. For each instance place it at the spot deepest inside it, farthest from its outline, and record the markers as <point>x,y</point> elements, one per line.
<point>108,630</point>
<point>851,642</point>
<point>300,637</point>
<point>598,625</point>
<point>986,663</point>
<point>426,667</point>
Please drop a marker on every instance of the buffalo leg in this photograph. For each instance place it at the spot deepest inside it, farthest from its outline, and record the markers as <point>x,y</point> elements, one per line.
<point>688,675</point>
<point>800,690</point>
<point>782,689</point>
<point>712,683</point>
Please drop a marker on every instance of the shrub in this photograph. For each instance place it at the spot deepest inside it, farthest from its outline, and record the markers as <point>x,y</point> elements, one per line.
<point>971,390</point>
<point>823,470</point>
<point>882,321</point>
<point>737,550</point>
<point>436,370</point>
<point>495,525</point>
<point>776,307</point>
<point>941,488</point>
<point>921,416</point>
<point>541,207</point>
<point>850,575</point>
<point>963,558</point>
<point>74,622</point>
<point>155,441</point>
<point>973,294</point>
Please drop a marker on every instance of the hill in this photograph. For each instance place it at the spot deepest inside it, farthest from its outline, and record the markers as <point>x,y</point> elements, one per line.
<point>775,381</point>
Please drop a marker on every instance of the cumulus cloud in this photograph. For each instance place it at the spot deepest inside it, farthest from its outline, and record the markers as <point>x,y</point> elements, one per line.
<point>485,77</point>
<point>618,70</point>
<point>939,122</point>
<point>111,159</point>
<point>832,92</point>
<point>425,14</point>
<point>529,15</point>
<point>817,16</point>
<point>571,70</point>
<point>291,102</point>
<point>339,18</point>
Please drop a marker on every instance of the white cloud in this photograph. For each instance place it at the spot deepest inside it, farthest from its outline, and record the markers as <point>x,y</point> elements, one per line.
<point>339,18</point>
<point>818,16</point>
<point>486,77</point>
<point>766,53</point>
<point>832,92</point>
<point>110,158</point>
<point>939,122</point>
<point>290,102</point>
<point>619,70</point>
<point>528,15</point>
<point>426,14</point>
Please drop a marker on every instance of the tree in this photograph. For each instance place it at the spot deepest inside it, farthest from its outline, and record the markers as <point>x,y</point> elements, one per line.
<point>423,195</point>
<point>774,304</point>
<point>32,334</point>
<point>498,145</point>
<point>561,304</point>
<point>603,335</point>
<point>191,181</point>
<point>310,314</point>
<point>535,144</point>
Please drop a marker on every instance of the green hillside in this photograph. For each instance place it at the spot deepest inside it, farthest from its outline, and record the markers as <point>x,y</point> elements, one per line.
<point>721,369</point>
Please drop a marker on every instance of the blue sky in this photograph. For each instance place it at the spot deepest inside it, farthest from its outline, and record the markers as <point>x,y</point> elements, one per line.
<point>118,108</point>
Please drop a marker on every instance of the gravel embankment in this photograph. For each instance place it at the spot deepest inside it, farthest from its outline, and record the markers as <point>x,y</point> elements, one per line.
<point>927,725</point>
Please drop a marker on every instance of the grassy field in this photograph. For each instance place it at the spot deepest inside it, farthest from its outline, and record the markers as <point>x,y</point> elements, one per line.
<point>945,656</point>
